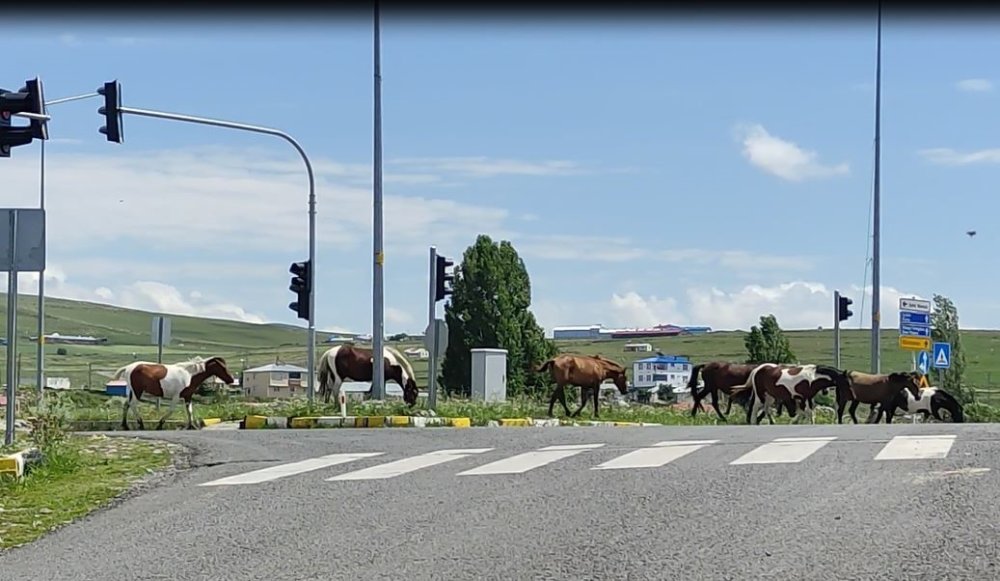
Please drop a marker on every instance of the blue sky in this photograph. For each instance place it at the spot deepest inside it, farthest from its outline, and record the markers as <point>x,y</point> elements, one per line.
<point>653,172</point>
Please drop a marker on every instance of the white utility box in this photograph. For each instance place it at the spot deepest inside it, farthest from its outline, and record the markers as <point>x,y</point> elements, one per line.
<point>489,374</point>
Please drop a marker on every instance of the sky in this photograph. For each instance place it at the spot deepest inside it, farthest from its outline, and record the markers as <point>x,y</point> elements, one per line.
<point>653,171</point>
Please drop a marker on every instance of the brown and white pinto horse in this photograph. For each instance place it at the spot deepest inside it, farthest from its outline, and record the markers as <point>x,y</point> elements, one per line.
<point>350,362</point>
<point>793,385</point>
<point>587,372</point>
<point>722,376</point>
<point>881,389</point>
<point>169,381</point>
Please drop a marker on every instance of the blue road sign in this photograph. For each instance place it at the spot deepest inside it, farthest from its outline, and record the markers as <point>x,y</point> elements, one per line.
<point>923,362</point>
<point>914,318</point>
<point>914,331</point>
<point>942,356</point>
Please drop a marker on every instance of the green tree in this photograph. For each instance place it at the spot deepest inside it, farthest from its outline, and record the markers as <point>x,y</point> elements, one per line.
<point>945,329</point>
<point>489,308</point>
<point>768,343</point>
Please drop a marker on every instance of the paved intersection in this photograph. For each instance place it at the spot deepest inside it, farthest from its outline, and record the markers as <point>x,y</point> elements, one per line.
<point>730,502</point>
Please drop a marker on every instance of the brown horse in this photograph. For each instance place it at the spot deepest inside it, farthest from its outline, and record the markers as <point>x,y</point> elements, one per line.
<point>172,381</point>
<point>793,385</point>
<point>722,376</point>
<point>880,389</point>
<point>350,362</point>
<point>588,373</point>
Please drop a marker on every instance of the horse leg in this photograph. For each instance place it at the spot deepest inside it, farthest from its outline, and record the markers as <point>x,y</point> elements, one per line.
<point>583,401</point>
<point>125,408</point>
<point>597,394</point>
<point>841,404</point>
<point>715,404</point>
<point>170,410</point>
<point>189,408</point>
<point>552,398</point>
<point>854,408</point>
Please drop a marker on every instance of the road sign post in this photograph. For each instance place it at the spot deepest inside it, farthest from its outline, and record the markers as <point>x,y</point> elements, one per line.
<point>915,327</point>
<point>22,247</point>
<point>160,335</point>
<point>941,359</point>
<point>428,339</point>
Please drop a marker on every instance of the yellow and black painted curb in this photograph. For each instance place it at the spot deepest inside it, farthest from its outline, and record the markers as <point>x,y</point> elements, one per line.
<point>305,422</point>
<point>115,425</point>
<point>18,463</point>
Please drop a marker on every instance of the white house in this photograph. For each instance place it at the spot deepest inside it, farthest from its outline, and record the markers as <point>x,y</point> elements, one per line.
<point>275,380</point>
<point>672,370</point>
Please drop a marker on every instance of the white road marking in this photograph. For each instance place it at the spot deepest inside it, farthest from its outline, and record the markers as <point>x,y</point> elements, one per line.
<point>283,470</point>
<point>916,448</point>
<point>530,460</point>
<point>655,456</point>
<point>784,451</point>
<point>399,467</point>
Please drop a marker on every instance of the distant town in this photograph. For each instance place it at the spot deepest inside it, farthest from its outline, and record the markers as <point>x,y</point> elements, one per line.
<point>598,332</point>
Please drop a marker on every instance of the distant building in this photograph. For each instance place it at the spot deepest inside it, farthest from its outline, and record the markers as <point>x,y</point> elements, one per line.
<point>275,381</point>
<point>641,347</point>
<point>672,370</point>
<point>71,339</point>
<point>417,353</point>
<point>599,332</point>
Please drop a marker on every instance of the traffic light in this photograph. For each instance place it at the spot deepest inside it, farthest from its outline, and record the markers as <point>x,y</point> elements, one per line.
<point>112,91</point>
<point>844,313</point>
<point>442,276</point>
<point>28,99</point>
<point>302,286</point>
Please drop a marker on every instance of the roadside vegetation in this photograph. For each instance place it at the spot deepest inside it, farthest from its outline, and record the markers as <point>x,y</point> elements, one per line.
<point>77,475</point>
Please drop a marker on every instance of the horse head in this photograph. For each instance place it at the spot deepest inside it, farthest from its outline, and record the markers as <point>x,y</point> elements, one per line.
<point>908,380</point>
<point>620,381</point>
<point>217,366</point>
<point>841,378</point>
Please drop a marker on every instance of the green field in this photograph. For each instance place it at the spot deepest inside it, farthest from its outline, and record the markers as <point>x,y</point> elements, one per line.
<point>249,345</point>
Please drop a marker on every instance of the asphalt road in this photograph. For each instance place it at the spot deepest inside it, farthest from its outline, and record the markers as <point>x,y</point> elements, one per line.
<point>711,512</point>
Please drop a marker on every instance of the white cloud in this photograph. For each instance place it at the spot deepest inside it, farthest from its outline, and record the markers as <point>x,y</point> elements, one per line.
<point>481,166</point>
<point>975,85</point>
<point>797,305</point>
<point>397,317</point>
<point>948,156</point>
<point>783,158</point>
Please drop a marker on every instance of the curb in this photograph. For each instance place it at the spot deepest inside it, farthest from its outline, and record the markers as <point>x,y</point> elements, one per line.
<point>556,422</point>
<point>308,422</point>
<point>115,425</point>
<point>18,463</point>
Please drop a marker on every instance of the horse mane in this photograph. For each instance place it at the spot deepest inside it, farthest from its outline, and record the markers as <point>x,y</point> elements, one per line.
<point>194,365</point>
<point>403,362</point>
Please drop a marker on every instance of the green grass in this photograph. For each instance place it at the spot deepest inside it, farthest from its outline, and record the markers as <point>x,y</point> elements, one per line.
<point>77,476</point>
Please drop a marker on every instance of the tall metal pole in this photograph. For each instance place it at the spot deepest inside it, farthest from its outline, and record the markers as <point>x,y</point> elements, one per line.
<point>40,354</point>
<point>877,217</point>
<point>311,354</point>
<point>432,333</point>
<point>378,295</point>
<point>11,332</point>
<point>159,339</point>
<point>836,329</point>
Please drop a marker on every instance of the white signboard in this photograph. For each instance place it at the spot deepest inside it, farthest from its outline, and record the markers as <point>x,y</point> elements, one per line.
<point>916,305</point>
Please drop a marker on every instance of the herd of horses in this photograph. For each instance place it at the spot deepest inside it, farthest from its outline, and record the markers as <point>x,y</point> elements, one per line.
<point>758,388</point>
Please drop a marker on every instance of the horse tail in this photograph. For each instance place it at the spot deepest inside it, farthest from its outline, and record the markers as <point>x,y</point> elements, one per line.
<point>693,382</point>
<point>325,371</point>
<point>119,372</point>
<point>546,366</point>
<point>951,404</point>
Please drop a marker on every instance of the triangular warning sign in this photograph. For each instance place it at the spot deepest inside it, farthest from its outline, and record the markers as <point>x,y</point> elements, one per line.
<point>941,360</point>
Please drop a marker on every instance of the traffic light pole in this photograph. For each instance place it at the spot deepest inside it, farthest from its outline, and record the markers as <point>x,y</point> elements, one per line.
<point>311,354</point>
<point>378,274</point>
<point>432,330</point>
<point>836,329</point>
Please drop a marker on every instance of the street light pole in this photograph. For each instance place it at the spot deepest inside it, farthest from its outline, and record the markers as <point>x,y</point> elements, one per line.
<point>876,354</point>
<point>378,288</point>
<point>310,356</point>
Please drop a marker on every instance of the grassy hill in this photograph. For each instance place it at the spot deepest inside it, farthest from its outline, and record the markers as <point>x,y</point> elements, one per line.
<point>128,334</point>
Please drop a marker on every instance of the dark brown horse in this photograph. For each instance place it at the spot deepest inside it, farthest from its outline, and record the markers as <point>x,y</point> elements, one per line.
<point>350,362</point>
<point>881,390</point>
<point>722,376</point>
<point>587,372</point>
<point>170,381</point>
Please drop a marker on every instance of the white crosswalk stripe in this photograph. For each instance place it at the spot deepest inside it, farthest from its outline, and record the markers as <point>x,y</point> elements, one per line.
<point>393,469</point>
<point>916,448</point>
<point>784,451</point>
<point>652,456</point>
<point>659,454</point>
<point>530,460</point>
<point>283,470</point>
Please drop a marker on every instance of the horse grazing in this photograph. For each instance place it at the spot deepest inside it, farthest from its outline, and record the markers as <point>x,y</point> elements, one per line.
<point>874,389</point>
<point>350,362</point>
<point>586,372</point>
<point>930,403</point>
<point>722,376</point>
<point>174,382</point>
<point>795,386</point>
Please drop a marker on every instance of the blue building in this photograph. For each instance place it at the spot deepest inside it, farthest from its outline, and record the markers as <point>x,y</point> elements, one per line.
<point>672,370</point>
